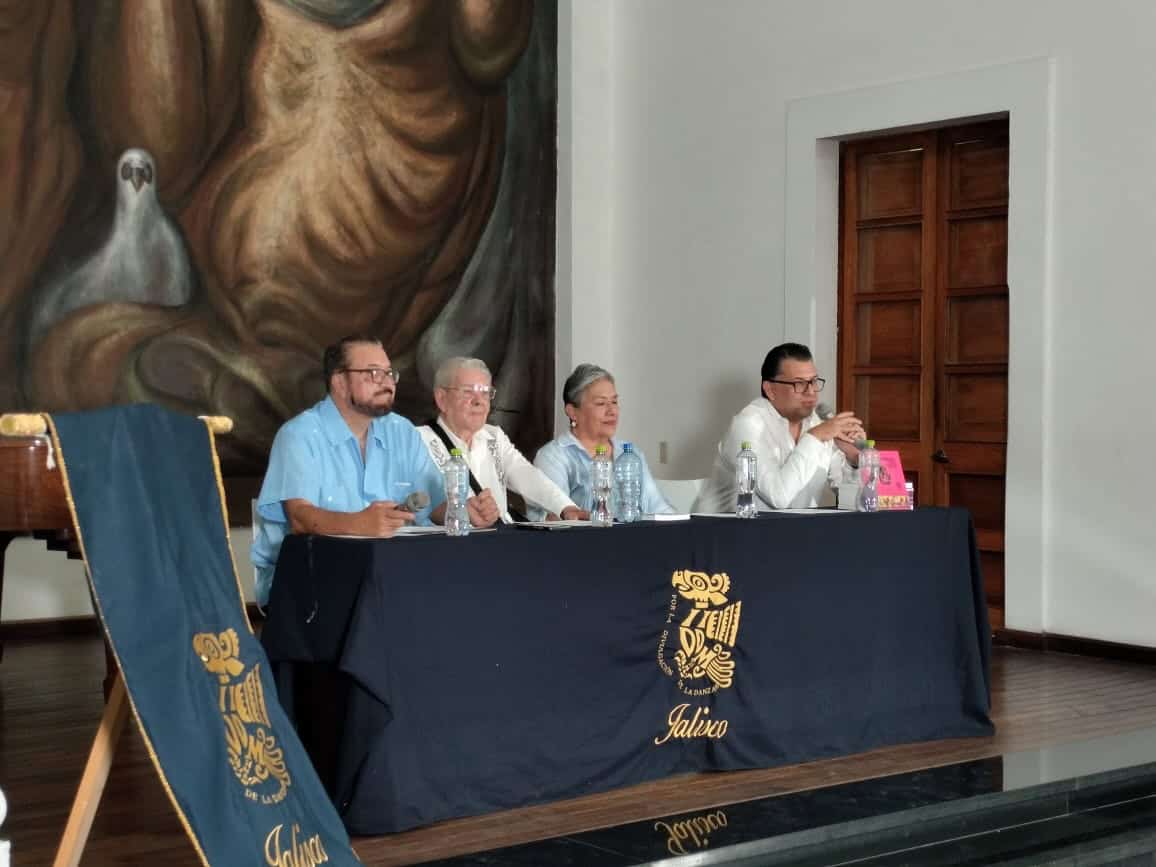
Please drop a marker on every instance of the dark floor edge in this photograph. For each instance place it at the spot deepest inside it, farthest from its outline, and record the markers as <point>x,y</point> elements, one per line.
<point>872,817</point>
<point>938,823</point>
<point>1055,643</point>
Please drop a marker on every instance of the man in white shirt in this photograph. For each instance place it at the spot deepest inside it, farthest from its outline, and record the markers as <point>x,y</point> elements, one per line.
<point>464,392</point>
<point>800,456</point>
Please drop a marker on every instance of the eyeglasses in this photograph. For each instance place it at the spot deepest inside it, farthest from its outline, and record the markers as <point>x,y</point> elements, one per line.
<point>377,375</point>
<point>468,391</point>
<point>801,385</point>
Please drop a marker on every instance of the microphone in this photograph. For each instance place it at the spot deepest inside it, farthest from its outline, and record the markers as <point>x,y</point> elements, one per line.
<point>826,412</point>
<point>415,502</point>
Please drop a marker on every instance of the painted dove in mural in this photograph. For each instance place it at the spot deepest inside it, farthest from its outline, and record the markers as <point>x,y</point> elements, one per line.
<point>349,191</point>
<point>142,259</point>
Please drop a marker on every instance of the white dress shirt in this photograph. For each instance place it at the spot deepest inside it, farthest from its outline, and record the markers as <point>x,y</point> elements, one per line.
<point>497,464</point>
<point>791,475</point>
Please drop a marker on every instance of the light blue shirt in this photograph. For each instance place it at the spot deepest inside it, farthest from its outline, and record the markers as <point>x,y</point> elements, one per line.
<point>316,457</point>
<point>568,464</point>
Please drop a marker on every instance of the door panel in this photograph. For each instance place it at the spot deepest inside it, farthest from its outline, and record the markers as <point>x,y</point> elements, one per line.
<point>975,407</point>
<point>889,406</point>
<point>972,299</point>
<point>923,316</point>
<point>890,259</point>
<point>977,252</point>
<point>978,170</point>
<point>889,332</point>
<point>977,329</point>
<point>886,334</point>
<point>891,181</point>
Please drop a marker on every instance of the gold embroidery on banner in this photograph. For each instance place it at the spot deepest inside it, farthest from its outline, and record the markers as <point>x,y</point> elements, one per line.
<point>112,645</point>
<point>301,852</point>
<point>703,662</point>
<point>256,759</point>
<point>696,831</point>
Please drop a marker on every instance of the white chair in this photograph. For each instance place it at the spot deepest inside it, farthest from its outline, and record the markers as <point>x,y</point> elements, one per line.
<point>5,846</point>
<point>257,523</point>
<point>680,493</point>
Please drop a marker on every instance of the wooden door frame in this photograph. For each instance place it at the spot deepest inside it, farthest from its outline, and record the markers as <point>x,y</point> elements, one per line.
<point>815,125</point>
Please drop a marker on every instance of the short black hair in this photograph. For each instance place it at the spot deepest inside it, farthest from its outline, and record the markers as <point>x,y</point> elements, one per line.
<point>336,355</point>
<point>773,363</point>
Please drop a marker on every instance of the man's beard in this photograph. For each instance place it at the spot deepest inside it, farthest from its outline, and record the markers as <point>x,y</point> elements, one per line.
<point>373,410</point>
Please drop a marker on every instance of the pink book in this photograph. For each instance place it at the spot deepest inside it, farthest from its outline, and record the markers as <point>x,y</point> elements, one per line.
<point>891,486</point>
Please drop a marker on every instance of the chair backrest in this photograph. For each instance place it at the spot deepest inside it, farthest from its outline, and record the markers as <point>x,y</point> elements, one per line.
<point>5,846</point>
<point>680,493</point>
<point>258,522</point>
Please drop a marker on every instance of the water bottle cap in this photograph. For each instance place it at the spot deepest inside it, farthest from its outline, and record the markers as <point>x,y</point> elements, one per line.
<point>870,444</point>
<point>627,447</point>
<point>600,450</point>
<point>457,453</point>
<point>746,445</point>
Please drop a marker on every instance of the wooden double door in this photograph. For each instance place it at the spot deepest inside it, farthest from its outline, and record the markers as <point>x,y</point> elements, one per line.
<point>923,316</point>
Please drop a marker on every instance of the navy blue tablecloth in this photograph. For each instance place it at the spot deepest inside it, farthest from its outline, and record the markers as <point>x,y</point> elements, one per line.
<point>434,677</point>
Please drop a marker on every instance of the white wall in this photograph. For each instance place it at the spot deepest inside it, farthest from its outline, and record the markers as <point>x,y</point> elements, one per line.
<point>696,260</point>
<point>586,230</point>
<point>672,232</point>
<point>41,585</point>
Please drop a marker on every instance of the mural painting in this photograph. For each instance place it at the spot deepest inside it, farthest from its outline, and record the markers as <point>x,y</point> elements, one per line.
<point>197,196</point>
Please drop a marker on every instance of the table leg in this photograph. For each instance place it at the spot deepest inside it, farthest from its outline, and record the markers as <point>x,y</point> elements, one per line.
<point>91,788</point>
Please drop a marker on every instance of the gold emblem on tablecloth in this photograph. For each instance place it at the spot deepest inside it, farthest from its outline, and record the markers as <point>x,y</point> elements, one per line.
<point>706,634</point>
<point>257,761</point>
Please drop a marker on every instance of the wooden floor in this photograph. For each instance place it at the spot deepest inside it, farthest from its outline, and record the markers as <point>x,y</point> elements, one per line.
<point>50,704</point>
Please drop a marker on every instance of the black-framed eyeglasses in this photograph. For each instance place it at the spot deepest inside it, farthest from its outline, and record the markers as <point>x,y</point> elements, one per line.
<point>486,391</point>
<point>801,385</point>
<point>377,375</point>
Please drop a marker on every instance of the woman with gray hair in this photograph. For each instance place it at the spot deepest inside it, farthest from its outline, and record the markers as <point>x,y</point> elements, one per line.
<point>464,393</point>
<point>590,399</point>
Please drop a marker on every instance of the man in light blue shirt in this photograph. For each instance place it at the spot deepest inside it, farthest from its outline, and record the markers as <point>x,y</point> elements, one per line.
<point>346,465</point>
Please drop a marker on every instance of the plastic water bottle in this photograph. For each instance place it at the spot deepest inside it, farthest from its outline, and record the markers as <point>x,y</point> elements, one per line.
<point>628,484</point>
<point>869,478</point>
<point>457,492</point>
<point>746,477</point>
<point>602,481</point>
<point>910,496</point>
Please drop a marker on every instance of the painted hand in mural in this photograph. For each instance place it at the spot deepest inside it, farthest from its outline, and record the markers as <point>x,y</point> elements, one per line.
<point>348,193</point>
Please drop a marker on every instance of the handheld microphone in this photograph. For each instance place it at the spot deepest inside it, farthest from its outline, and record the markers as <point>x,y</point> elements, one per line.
<point>415,502</point>
<point>826,412</point>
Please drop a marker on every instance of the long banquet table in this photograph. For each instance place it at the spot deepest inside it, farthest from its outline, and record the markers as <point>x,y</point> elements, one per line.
<point>434,677</point>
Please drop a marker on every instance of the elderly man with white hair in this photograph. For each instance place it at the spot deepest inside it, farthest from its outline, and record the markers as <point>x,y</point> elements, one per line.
<point>464,393</point>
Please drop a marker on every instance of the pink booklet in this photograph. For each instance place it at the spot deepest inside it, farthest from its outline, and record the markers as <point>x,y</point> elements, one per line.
<point>891,486</point>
